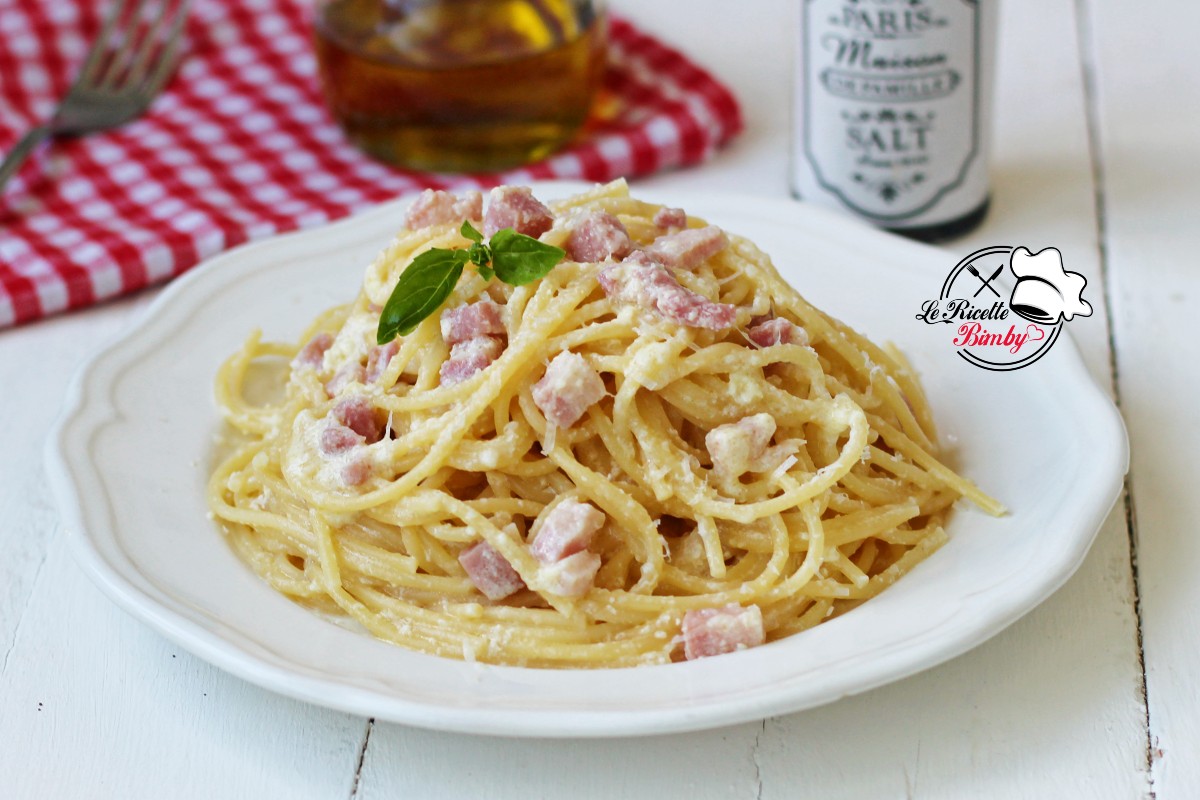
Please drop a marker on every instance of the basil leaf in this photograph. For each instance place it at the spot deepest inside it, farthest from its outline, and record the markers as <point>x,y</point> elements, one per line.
<point>519,259</point>
<point>468,230</point>
<point>479,255</point>
<point>487,272</point>
<point>422,288</point>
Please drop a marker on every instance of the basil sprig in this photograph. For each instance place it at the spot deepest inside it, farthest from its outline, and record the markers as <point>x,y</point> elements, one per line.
<point>425,284</point>
<point>519,259</point>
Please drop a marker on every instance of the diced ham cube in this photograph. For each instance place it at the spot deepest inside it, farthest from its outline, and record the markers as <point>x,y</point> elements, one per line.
<point>573,575</point>
<point>561,544</point>
<point>568,529</point>
<point>489,571</point>
<point>467,358</point>
<point>357,469</point>
<point>740,446</point>
<point>667,217</point>
<point>359,415</point>
<point>641,281</point>
<point>596,236</point>
<point>336,439</point>
<point>714,631</point>
<point>347,374</point>
<point>515,207</point>
<point>434,207</point>
<point>313,353</point>
<point>568,389</point>
<point>379,358</point>
<point>689,248</point>
<point>465,322</point>
<point>777,331</point>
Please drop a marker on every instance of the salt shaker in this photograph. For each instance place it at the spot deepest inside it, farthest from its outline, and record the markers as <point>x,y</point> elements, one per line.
<point>892,111</point>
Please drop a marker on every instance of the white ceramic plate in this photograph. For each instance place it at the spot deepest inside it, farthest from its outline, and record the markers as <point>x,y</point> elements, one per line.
<point>130,458</point>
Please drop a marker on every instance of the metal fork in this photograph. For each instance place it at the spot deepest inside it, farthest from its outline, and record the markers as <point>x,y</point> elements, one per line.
<point>120,77</point>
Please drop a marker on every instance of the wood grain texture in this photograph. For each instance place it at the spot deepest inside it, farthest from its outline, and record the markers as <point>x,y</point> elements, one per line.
<point>1141,60</point>
<point>709,765</point>
<point>92,703</point>
<point>105,708</point>
<point>35,365</point>
<point>1052,707</point>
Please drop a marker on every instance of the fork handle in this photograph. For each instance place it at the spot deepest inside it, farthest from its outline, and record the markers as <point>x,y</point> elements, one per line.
<point>14,160</point>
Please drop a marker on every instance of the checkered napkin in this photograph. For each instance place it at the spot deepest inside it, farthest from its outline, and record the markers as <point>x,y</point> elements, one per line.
<point>240,146</point>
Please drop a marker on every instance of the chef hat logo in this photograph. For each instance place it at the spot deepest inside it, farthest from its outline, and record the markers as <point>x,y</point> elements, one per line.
<point>1045,292</point>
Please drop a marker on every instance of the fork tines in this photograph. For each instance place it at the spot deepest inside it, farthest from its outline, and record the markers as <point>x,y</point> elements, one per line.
<point>136,47</point>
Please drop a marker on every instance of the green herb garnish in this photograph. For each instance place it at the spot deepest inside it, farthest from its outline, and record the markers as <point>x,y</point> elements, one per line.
<point>425,284</point>
<point>519,259</point>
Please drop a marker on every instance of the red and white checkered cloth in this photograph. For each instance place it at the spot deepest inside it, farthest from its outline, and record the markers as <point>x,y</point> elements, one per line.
<point>240,146</point>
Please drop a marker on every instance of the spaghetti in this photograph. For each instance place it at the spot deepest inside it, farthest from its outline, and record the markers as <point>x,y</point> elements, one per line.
<point>658,454</point>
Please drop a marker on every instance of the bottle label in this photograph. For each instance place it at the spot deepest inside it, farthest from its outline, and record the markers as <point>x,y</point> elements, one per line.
<point>888,112</point>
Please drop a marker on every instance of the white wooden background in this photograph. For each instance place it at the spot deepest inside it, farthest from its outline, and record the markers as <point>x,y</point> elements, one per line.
<point>1093,695</point>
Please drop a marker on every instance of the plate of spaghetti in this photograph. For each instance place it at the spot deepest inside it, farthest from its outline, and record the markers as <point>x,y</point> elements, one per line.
<point>570,462</point>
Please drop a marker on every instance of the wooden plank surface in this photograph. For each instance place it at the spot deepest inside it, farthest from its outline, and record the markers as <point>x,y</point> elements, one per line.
<point>92,704</point>
<point>710,765</point>
<point>1053,706</point>
<point>1017,717</point>
<point>1141,60</point>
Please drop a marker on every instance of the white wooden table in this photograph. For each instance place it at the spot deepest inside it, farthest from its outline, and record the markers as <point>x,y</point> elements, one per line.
<point>1094,694</point>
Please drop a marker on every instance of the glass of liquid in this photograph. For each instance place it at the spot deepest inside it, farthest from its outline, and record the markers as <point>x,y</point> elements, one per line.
<point>460,85</point>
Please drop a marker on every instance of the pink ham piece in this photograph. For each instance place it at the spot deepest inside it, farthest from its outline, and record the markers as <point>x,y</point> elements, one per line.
<point>467,358</point>
<point>352,424</point>
<point>596,236</point>
<point>641,281</point>
<point>670,218</point>
<point>336,439</point>
<point>379,358</point>
<point>740,446</point>
<point>359,415</point>
<point>357,469</point>
<point>489,571</point>
<point>347,374</point>
<point>434,207</point>
<point>573,575</point>
<point>687,249</point>
<point>714,631</point>
<point>515,207</point>
<point>568,529</point>
<point>465,322</point>
<point>568,389</point>
<point>777,331</point>
<point>313,353</point>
